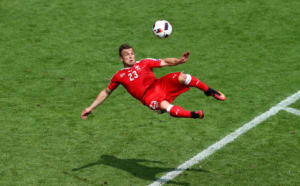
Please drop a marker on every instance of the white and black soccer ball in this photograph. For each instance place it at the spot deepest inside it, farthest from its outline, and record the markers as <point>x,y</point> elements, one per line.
<point>162,28</point>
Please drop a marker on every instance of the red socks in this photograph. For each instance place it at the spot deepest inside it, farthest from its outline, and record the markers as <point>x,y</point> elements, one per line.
<point>191,81</point>
<point>177,111</point>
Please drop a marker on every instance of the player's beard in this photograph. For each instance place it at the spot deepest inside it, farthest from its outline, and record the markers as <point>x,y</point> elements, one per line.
<point>130,63</point>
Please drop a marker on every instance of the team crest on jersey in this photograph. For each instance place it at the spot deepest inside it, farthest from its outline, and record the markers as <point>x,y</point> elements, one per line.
<point>154,105</point>
<point>122,75</point>
<point>137,67</point>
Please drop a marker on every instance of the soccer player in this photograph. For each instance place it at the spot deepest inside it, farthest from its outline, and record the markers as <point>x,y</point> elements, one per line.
<point>139,80</point>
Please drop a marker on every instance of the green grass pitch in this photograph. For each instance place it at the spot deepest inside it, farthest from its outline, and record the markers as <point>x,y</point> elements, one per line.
<point>55,56</point>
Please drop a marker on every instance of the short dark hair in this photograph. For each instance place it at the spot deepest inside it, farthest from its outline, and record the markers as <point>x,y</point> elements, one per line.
<point>124,46</point>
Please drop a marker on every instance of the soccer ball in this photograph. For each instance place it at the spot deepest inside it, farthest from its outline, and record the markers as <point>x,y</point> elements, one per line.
<point>162,28</point>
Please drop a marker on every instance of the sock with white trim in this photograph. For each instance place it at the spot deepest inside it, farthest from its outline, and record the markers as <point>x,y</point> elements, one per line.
<point>191,81</point>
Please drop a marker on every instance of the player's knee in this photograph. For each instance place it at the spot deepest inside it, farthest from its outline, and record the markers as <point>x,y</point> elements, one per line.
<point>182,78</point>
<point>164,105</point>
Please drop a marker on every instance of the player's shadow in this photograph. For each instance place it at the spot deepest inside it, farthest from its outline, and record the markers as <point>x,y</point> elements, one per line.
<point>134,167</point>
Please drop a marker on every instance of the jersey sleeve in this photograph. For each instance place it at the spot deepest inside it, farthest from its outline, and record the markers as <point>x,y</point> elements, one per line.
<point>153,63</point>
<point>113,84</point>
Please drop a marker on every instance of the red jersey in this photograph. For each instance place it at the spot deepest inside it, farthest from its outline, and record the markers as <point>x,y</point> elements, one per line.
<point>136,79</point>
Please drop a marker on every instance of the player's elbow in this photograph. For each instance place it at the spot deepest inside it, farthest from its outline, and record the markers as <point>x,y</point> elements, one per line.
<point>107,91</point>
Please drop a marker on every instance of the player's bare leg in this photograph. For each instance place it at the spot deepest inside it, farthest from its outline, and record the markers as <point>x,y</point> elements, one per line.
<point>191,81</point>
<point>177,111</point>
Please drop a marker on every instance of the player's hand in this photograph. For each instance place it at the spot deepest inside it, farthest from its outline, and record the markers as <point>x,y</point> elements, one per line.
<point>85,113</point>
<point>185,57</point>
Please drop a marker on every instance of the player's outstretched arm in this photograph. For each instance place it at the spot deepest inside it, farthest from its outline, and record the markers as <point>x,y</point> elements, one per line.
<point>175,61</point>
<point>99,99</point>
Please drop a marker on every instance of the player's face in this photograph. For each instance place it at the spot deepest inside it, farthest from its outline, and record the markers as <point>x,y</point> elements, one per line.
<point>128,57</point>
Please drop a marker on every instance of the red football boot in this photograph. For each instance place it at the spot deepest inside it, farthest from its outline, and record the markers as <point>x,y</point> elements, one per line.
<point>201,114</point>
<point>197,114</point>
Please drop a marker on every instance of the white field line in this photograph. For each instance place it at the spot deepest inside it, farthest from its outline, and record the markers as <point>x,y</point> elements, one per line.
<point>227,139</point>
<point>292,110</point>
